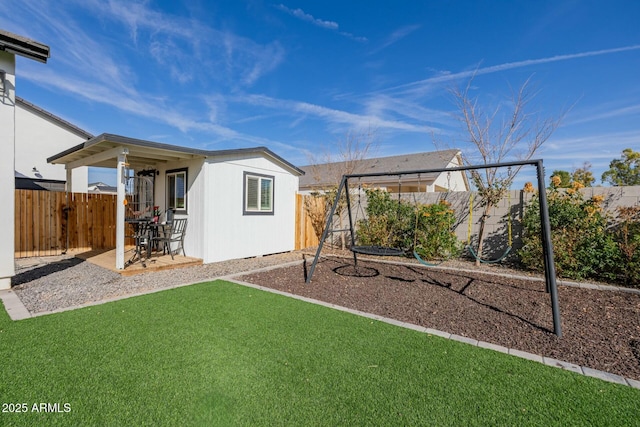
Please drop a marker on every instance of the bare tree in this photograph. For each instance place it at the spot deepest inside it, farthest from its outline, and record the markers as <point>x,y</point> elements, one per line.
<point>343,157</point>
<point>498,135</point>
<point>327,169</point>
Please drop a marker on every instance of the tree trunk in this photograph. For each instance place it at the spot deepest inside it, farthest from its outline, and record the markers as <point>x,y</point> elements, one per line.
<point>342,239</point>
<point>483,220</point>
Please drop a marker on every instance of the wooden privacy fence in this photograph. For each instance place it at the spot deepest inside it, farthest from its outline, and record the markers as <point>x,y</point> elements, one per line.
<point>305,235</point>
<point>51,223</point>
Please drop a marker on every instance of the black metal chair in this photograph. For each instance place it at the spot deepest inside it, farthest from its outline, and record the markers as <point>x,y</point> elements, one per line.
<point>142,241</point>
<point>173,233</point>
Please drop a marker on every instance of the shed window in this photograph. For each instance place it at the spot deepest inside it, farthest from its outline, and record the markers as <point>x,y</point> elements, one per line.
<point>258,194</point>
<point>177,189</point>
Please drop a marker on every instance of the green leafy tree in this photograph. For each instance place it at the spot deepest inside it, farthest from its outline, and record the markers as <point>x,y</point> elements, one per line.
<point>624,171</point>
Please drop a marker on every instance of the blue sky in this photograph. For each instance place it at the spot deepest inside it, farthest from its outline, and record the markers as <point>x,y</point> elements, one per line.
<point>298,76</point>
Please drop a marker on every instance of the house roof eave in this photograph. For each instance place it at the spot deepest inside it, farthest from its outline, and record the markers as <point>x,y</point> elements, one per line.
<point>19,45</point>
<point>264,151</point>
<point>142,151</point>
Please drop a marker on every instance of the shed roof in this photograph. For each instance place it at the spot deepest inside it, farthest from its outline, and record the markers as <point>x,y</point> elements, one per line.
<point>330,173</point>
<point>102,149</point>
<point>19,45</point>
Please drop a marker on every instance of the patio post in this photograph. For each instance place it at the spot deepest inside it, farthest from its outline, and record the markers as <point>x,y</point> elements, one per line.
<point>69,184</point>
<point>120,205</point>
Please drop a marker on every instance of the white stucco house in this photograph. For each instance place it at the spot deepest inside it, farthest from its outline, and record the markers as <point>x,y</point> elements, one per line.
<point>10,46</point>
<point>39,135</point>
<point>322,176</point>
<point>239,203</point>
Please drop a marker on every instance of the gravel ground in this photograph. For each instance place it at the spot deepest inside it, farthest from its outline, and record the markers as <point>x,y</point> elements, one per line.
<point>48,284</point>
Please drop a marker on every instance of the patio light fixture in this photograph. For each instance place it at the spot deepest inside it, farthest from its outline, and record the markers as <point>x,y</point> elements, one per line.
<point>3,75</point>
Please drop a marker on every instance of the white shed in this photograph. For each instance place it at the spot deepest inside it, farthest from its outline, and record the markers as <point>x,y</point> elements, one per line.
<point>239,203</point>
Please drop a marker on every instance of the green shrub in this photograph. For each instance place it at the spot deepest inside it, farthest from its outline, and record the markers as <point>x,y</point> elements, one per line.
<point>434,233</point>
<point>583,245</point>
<point>627,233</point>
<point>399,224</point>
<point>386,222</point>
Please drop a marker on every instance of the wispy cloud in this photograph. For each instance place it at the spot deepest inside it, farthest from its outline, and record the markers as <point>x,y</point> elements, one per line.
<point>186,44</point>
<point>301,14</point>
<point>134,103</point>
<point>92,70</point>
<point>396,36</point>
<point>329,25</point>
<point>608,113</point>
<point>568,153</point>
<point>422,86</point>
<point>383,105</point>
<point>332,116</point>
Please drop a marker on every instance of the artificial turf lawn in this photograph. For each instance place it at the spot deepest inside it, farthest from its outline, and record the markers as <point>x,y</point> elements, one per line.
<point>222,354</point>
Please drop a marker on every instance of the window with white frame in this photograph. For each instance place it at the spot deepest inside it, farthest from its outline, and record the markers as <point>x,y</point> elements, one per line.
<point>177,190</point>
<point>258,194</point>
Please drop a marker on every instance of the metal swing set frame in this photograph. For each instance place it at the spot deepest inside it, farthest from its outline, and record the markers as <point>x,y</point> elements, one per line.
<point>549,265</point>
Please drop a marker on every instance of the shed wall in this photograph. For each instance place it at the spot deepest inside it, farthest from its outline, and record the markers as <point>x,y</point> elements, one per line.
<point>217,229</point>
<point>231,234</point>
<point>196,203</point>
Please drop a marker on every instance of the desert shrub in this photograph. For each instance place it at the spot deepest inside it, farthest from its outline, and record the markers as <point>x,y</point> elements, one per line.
<point>434,235</point>
<point>627,233</point>
<point>386,221</point>
<point>398,224</point>
<point>583,247</point>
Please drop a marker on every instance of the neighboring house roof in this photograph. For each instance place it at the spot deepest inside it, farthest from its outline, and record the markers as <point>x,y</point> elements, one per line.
<point>61,122</point>
<point>19,45</point>
<point>101,187</point>
<point>39,184</point>
<point>100,151</point>
<point>317,176</point>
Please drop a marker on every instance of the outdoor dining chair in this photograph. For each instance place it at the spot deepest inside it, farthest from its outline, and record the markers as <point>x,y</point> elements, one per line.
<point>142,240</point>
<point>173,233</point>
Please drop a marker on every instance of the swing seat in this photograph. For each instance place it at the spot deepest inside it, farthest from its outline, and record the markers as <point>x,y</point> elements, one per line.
<point>489,261</point>
<point>377,250</point>
<point>417,256</point>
